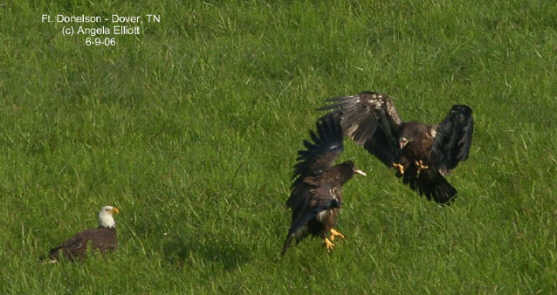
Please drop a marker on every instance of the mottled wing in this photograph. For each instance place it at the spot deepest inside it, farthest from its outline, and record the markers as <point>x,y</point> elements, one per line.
<point>326,195</point>
<point>73,247</point>
<point>453,138</point>
<point>371,120</point>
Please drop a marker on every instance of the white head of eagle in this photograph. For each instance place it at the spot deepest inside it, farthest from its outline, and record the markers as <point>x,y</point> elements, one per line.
<point>106,218</point>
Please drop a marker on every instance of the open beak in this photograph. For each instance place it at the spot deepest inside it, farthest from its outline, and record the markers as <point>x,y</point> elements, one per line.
<point>115,210</point>
<point>358,171</point>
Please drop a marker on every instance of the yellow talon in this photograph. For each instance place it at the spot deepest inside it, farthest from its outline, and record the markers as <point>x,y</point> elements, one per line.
<point>421,165</point>
<point>334,234</point>
<point>399,167</point>
<point>328,244</point>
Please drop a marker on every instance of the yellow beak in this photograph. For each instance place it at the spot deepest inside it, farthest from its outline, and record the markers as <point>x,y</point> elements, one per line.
<point>358,171</point>
<point>115,210</point>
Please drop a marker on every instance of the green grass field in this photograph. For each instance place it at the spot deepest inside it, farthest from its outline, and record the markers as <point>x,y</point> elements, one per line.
<point>192,128</point>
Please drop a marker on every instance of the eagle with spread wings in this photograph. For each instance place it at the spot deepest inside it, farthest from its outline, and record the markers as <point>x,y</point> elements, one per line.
<point>316,196</point>
<point>423,154</point>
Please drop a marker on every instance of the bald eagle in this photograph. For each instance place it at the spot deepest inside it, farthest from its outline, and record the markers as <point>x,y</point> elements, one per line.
<point>316,195</point>
<point>103,238</point>
<point>423,154</point>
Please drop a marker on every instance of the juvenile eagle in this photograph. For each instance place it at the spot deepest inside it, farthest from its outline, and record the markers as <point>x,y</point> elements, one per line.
<point>423,154</point>
<point>102,238</point>
<point>316,195</point>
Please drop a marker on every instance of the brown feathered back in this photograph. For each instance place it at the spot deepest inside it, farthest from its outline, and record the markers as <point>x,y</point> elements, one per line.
<point>102,239</point>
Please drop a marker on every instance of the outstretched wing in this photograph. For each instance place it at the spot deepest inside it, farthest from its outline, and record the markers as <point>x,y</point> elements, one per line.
<point>371,120</point>
<point>453,139</point>
<point>322,152</point>
<point>314,160</point>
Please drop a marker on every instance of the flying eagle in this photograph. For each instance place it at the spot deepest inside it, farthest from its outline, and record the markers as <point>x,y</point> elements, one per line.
<point>102,238</point>
<point>316,195</point>
<point>423,154</point>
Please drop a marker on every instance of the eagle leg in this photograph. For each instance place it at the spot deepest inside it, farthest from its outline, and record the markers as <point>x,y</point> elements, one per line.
<point>399,167</point>
<point>334,234</point>
<point>328,244</point>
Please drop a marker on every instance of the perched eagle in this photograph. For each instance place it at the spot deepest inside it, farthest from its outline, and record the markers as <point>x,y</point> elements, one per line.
<point>102,238</point>
<point>423,154</point>
<point>316,195</point>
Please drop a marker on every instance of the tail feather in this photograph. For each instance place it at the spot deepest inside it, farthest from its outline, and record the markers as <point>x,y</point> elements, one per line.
<point>443,192</point>
<point>431,184</point>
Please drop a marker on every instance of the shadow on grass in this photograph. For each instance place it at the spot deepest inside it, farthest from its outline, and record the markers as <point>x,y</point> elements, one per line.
<point>212,252</point>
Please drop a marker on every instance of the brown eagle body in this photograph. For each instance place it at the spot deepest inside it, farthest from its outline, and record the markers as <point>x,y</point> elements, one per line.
<point>423,154</point>
<point>102,239</point>
<point>316,195</point>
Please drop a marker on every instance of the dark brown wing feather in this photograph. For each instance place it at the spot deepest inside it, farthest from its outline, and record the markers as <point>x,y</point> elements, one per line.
<point>101,239</point>
<point>371,120</point>
<point>453,140</point>
<point>317,156</point>
<point>72,248</point>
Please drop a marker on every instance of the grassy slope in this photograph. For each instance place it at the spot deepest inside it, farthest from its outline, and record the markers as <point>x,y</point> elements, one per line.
<point>192,129</point>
